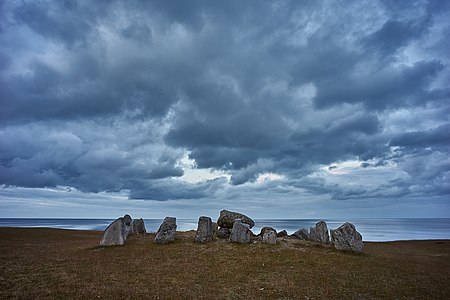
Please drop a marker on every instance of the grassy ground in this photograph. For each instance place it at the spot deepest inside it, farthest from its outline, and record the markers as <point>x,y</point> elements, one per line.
<point>55,263</point>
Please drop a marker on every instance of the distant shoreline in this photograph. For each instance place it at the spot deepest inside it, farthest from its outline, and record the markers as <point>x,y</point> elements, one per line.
<point>193,230</point>
<point>374,230</point>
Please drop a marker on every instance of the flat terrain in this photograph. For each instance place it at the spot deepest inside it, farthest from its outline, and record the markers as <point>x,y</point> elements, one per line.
<point>56,263</point>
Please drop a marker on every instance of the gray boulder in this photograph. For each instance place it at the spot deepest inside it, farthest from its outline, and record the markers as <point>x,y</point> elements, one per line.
<point>167,230</point>
<point>319,233</point>
<point>127,219</point>
<point>204,230</point>
<point>302,234</point>
<point>127,222</point>
<point>269,236</point>
<point>138,227</point>
<point>223,233</point>
<point>240,233</point>
<point>117,232</point>
<point>264,229</point>
<point>227,218</point>
<point>282,233</point>
<point>346,238</point>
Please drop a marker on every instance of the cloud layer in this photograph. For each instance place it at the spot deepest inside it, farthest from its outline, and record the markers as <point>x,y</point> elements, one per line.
<point>330,100</point>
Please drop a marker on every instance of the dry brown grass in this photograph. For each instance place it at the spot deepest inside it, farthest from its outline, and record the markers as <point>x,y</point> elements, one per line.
<point>55,263</point>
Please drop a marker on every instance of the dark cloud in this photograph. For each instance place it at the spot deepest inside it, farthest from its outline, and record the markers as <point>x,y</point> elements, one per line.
<point>88,156</point>
<point>61,20</point>
<point>394,35</point>
<point>87,91</point>
<point>276,96</point>
<point>170,189</point>
<point>390,87</point>
<point>437,137</point>
<point>138,32</point>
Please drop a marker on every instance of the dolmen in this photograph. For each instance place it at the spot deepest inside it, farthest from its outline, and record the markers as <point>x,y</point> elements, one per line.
<point>236,227</point>
<point>166,231</point>
<point>344,238</point>
<point>226,223</point>
<point>117,232</point>
<point>204,230</point>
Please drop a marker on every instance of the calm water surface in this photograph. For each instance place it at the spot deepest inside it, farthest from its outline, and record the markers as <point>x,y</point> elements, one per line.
<point>371,229</point>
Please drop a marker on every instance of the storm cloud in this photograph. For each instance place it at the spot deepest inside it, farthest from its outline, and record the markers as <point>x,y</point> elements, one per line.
<point>310,102</point>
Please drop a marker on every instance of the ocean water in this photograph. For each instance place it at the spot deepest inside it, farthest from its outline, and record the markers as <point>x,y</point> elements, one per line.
<point>371,229</point>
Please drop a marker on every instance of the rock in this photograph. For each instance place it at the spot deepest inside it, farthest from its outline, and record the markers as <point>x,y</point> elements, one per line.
<point>346,238</point>
<point>319,233</point>
<point>117,232</point>
<point>255,238</point>
<point>166,232</point>
<point>138,227</point>
<point>204,230</point>
<point>227,218</point>
<point>302,234</point>
<point>223,233</point>
<point>264,229</point>
<point>240,233</point>
<point>282,233</point>
<point>269,236</point>
<point>127,219</point>
<point>127,223</point>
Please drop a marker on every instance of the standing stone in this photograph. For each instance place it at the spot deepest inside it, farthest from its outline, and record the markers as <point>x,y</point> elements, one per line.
<point>227,218</point>
<point>319,233</point>
<point>223,233</point>
<point>269,236</point>
<point>264,229</point>
<point>166,232</point>
<point>138,227</point>
<point>127,223</point>
<point>282,233</point>
<point>302,234</point>
<point>346,238</point>
<point>240,233</point>
<point>117,232</point>
<point>204,230</point>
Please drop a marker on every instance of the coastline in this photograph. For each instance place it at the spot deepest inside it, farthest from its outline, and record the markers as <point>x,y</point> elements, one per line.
<point>67,263</point>
<point>372,229</point>
<point>184,232</point>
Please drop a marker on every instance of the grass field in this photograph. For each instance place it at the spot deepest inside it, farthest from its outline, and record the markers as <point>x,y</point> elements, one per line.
<point>55,263</point>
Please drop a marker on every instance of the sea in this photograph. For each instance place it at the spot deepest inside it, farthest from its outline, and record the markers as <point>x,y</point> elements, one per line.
<point>376,230</point>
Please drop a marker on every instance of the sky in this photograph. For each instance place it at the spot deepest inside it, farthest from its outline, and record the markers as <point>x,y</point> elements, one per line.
<point>277,109</point>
